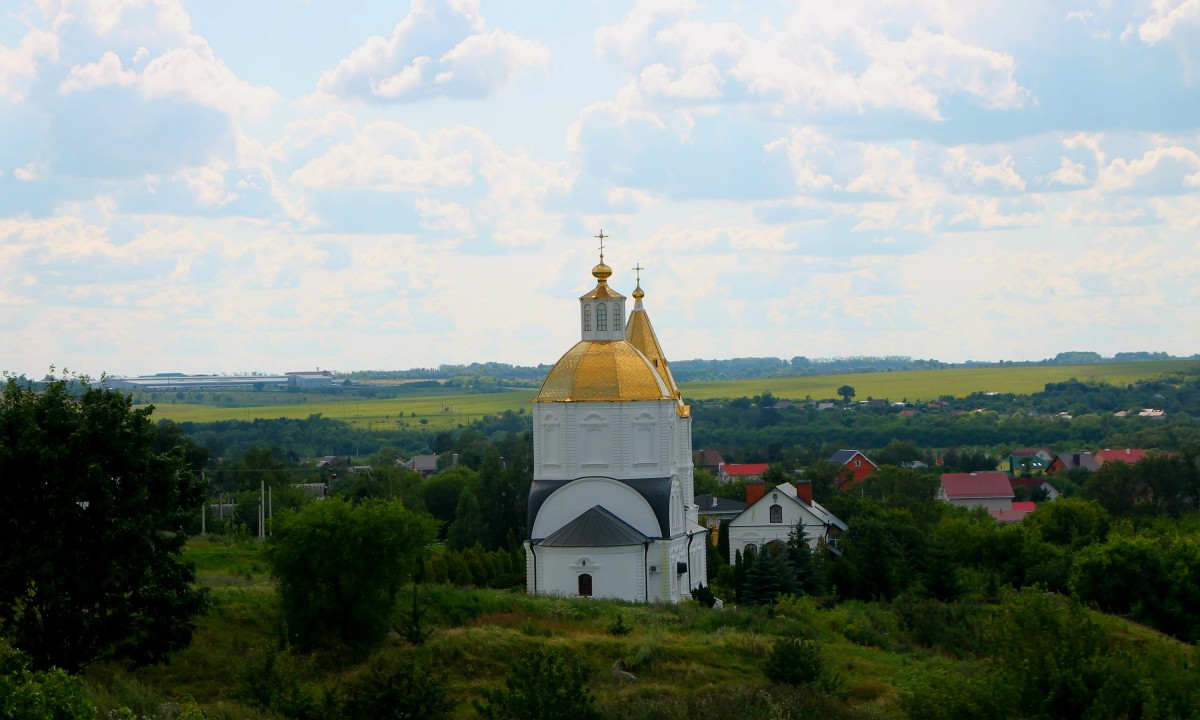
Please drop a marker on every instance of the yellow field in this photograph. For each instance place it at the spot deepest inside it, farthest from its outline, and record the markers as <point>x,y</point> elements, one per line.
<point>367,414</point>
<point>929,384</point>
<point>911,385</point>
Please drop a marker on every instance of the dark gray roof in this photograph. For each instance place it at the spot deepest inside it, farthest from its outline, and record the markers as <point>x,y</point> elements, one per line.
<point>723,504</point>
<point>595,528</point>
<point>841,457</point>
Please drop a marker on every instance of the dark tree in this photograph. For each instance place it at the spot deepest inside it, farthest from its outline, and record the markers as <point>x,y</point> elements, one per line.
<point>846,392</point>
<point>91,529</point>
<point>340,567</point>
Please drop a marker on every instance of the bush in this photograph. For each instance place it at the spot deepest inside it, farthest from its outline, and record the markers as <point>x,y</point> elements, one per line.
<point>546,684</point>
<point>38,695</point>
<point>397,689</point>
<point>794,661</point>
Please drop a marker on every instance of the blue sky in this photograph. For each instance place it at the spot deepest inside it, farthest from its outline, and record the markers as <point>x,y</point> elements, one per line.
<point>227,186</point>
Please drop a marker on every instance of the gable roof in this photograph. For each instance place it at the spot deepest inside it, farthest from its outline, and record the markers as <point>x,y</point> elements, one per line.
<point>814,507</point>
<point>1077,460</point>
<point>595,528</point>
<point>745,468</point>
<point>976,485</point>
<point>1031,483</point>
<point>1011,515</point>
<point>712,504</point>
<point>841,457</point>
<point>1126,455</point>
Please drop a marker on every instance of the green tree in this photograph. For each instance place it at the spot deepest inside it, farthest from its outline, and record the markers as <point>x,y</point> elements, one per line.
<point>38,695</point>
<point>546,684</point>
<point>847,393</point>
<point>469,526</point>
<point>91,527</point>
<point>340,566</point>
<point>403,688</point>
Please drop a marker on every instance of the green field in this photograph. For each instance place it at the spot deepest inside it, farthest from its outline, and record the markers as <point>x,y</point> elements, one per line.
<point>929,384</point>
<point>447,411</point>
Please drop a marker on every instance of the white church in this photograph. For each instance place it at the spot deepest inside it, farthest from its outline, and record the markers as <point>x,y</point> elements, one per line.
<point>611,508</point>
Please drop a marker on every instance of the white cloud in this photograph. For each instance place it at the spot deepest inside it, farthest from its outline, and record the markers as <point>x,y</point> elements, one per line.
<point>106,71</point>
<point>389,156</point>
<point>1069,173</point>
<point>1001,175</point>
<point>444,216</point>
<point>19,65</point>
<point>701,82</point>
<point>1166,17</point>
<point>208,184</point>
<point>627,40</point>
<point>30,171</point>
<point>195,73</point>
<point>442,48</point>
<point>1166,168</point>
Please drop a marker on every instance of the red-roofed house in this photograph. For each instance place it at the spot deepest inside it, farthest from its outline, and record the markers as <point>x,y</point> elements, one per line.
<point>1014,515</point>
<point>856,467</point>
<point>1126,455</point>
<point>989,490</point>
<point>728,472</point>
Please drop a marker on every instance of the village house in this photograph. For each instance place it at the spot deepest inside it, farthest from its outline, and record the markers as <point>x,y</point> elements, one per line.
<point>856,467</point>
<point>771,516</point>
<point>988,490</point>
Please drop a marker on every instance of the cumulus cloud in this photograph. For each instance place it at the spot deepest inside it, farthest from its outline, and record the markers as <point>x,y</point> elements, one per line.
<point>19,65</point>
<point>1166,17</point>
<point>442,48</point>
<point>1167,168</point>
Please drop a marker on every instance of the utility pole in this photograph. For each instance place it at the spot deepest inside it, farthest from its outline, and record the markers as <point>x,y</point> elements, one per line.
<point>261,508</point>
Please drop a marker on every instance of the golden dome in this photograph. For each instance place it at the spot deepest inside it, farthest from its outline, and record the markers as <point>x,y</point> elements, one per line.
<point>637,292</point>
<point>603,371</point>
<point>602,272</point>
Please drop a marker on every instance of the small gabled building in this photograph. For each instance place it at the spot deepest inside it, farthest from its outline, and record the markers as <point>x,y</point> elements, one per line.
<point>988,490</point>
<point>709,460</point>
<point>856,467</point>
<point>769,520</point>
<point>747,472</point>
<point>1015,464</point>
<point>1032,485</point>
<point>1072,460</point>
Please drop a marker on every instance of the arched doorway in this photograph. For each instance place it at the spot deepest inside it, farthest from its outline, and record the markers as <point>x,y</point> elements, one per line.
<point>585,585</point>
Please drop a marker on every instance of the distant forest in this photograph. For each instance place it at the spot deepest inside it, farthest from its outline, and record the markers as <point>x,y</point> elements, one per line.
<point>752,367</point>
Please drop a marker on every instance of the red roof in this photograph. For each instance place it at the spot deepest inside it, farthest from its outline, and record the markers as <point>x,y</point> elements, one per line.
<point>1025,505</point>
<point>976,485</point>
<point>1126,455</point>
<point>1010,516</point>
<point>744,468</point>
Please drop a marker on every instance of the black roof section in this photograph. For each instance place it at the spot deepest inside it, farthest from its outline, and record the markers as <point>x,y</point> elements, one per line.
<point>722,505</point>
<point>595,528</point>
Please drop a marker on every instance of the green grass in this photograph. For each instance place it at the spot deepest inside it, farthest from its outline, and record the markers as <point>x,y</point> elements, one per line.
<point>441,411</point>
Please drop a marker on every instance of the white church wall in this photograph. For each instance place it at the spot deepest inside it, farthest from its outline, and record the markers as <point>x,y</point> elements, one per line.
<point>618,440</point>
<point>611,569</point>
<point>576,498</point>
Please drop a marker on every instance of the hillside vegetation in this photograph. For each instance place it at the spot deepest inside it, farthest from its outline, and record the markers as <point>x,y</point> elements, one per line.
<point>904,658</point>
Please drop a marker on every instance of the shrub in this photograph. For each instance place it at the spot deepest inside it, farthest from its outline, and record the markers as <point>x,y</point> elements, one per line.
<point>546,684</point>
<point>794,661</point>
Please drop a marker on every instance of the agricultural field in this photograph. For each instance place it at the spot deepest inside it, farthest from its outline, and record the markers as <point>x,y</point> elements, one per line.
<point>435,412</point>
<point>444,410</point>
<point>924,385</point>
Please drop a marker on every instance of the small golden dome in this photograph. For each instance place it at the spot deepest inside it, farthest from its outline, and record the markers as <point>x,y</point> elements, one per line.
<point>637,292</point>
<point>603,371</point>
<point>602,272</point>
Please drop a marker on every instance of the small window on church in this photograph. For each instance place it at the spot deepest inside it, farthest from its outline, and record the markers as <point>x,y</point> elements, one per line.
<point>750,548</point>
<point>616,316</point>
<point>602,318</point>
<point>585,585</point>
<point>776,513</point>
<point>587,318</point>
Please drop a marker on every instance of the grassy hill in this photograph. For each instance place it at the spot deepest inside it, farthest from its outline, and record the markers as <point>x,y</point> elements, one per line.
<point>901,659</point>
<point>445,410</point>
